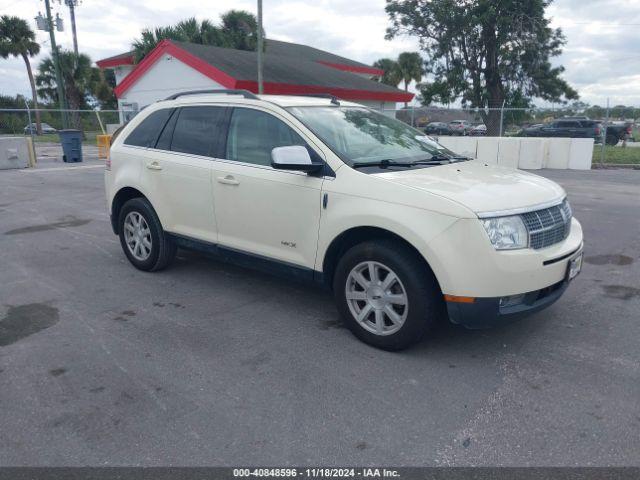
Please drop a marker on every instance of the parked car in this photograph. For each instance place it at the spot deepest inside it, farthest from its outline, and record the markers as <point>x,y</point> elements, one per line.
<point>31,129</point>
<point>569,128</point>
<point>478,131</point>
<point>617,132</point>
<point>404,231</point>
<point>437,128</point>
<point>460,127</point>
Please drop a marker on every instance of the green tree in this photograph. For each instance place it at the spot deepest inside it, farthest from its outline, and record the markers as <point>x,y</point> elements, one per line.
<point>391,75</point>
<point>238,29</point>
<point>18,40</point>
<point>410,67</point>
<point>84,84</point>
<point>480,49</point>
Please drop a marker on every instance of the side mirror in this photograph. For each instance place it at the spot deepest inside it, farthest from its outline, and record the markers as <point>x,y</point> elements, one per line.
<point>293,157</point>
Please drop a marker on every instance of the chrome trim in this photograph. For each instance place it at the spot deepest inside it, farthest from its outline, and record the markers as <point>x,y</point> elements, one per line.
<point>518,211</point>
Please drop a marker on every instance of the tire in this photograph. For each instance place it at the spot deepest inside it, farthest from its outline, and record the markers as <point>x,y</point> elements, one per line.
<point>424,305</point>
<point>612,140</point>
<point>157,251</point>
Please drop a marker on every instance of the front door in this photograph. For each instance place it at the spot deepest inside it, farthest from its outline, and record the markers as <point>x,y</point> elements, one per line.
<point>260,210</point>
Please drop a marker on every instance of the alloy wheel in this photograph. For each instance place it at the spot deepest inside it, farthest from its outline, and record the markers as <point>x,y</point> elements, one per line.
<point>137,236</point>
<point>377,298</point>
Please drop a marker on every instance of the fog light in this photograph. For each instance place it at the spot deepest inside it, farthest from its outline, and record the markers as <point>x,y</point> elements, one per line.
<point>512,300</point>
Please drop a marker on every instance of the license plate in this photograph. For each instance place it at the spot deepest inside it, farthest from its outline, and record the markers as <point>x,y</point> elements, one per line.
<point>574,267</point>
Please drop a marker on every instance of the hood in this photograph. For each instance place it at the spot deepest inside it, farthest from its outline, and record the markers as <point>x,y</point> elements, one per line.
<point>480,187</point>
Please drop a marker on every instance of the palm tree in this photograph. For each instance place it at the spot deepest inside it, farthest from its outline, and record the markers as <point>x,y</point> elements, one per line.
<point>18,40</point>
<point>81,81</point>
<point>411,68</point>
<point>391,75</point>
<point>238,30</point>
<point>150,38</point>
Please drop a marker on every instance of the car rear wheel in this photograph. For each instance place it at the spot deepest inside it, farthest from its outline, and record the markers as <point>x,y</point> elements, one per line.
<point>386,294</point>
<point>142,238</point>
<point>612,140</point>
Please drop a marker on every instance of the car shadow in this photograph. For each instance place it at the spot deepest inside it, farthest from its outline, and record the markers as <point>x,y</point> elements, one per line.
<point>443,337</point>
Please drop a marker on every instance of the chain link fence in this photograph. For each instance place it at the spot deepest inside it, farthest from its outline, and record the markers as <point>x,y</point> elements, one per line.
<point>617,139</point>
<point>46,141</point>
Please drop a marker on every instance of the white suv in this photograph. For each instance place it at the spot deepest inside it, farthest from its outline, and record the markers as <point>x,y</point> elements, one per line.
<point>404,231</point>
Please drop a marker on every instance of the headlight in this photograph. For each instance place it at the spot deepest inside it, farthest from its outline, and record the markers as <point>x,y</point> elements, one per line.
<point>506,233</point>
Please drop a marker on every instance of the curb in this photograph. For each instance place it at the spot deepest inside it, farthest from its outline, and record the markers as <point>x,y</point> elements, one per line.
<point>611,166</point>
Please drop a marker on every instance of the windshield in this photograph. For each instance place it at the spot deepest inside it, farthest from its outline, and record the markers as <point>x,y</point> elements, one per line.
<point>360,136</point>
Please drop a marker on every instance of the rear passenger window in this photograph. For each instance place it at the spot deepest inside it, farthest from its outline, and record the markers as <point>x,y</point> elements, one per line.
<point>146,133</point>
<point>253,134</point>
<point>198,130</point>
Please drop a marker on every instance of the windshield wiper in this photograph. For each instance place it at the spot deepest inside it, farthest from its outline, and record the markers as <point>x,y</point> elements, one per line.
<point>382,164</point>
<point>434,160</point>
<point>441,160</point>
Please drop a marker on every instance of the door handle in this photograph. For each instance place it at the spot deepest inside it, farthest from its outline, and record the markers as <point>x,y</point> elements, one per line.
<point>154,166</point>
<point>228,180</point>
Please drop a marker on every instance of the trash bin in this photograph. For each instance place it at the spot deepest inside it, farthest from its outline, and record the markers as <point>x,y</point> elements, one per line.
<point>71,141</point>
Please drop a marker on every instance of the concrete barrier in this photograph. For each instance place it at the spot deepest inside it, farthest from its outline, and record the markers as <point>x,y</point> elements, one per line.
<point>15,152</point>
<point>509,152</point>
<point>532,153</point>
<point>558,153</point>
<point>581,154</point>
<point>525,153</point>
<point>488,149</point>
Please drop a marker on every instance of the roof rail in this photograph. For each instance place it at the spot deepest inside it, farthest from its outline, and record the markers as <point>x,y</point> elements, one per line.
<point>333,98</point>
<point>244,93</point>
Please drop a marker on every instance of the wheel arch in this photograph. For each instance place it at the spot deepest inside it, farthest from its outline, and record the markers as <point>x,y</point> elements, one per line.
<point>120,198</point>
<point>355,235</point>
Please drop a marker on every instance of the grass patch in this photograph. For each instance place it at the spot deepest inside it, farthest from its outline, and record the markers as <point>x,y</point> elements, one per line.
<point>617,155</point>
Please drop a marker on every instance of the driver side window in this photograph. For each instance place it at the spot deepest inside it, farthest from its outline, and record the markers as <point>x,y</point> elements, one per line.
<point>253,134</point>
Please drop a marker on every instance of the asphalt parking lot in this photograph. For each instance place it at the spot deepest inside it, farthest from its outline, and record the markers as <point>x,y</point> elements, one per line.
<point>209,364</point>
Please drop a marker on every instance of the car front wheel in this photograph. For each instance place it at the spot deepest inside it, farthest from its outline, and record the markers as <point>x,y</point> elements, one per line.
<point>386,294</point>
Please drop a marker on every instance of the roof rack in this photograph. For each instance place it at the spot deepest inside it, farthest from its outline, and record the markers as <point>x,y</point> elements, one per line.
<point>333,98</point>
<point>244,93</point>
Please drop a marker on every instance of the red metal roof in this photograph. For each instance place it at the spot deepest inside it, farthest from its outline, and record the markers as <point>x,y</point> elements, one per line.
<point>236,69</point>
<point>117,60</point>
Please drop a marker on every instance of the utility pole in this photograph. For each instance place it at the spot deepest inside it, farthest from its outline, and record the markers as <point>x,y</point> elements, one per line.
<point>260,48</point>
<point>72,4</point>
<point>56,63</point>
<point>604,135</point>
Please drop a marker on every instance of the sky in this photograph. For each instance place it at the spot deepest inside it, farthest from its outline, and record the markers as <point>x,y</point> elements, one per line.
<point>602,55</point>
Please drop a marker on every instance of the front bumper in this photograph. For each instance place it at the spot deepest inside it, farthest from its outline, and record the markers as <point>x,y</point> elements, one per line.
<point>487,312</point>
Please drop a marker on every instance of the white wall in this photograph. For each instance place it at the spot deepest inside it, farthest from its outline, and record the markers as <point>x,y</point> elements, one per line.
<point>525,153</point>
<point>166,77</point>
<point>121,72</point>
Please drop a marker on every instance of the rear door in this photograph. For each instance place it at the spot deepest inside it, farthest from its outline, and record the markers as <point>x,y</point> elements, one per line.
<point>261,210</point>
<point>568,129</point>
<point>179,171</point>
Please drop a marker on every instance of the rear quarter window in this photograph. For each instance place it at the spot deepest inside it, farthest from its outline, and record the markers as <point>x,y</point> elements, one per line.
<point>146,132</point>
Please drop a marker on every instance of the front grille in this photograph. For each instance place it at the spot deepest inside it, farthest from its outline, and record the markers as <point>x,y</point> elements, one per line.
<point>548,226</point>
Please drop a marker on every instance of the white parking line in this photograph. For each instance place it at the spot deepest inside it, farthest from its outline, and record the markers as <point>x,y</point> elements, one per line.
<point>60,169</point>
